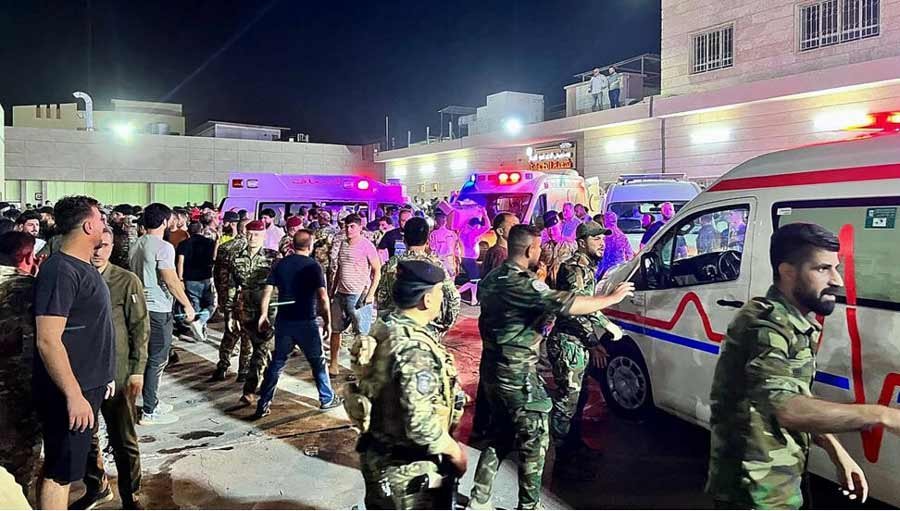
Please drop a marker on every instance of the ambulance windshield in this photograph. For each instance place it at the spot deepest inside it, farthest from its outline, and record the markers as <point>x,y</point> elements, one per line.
<point>500,202</point>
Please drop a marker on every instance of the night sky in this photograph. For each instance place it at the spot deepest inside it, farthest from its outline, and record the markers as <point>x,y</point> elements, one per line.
<point>330,69</point>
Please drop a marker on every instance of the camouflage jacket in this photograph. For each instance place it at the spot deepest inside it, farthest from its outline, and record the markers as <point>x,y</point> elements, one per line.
<point>553,253</point>
<point>17,345</point>
<point>286,245</point>
<point>323,246</point>
<point>249,273</point>
<point>124,236</point>
<point>413,387</point>
<point>384,298</point>
<point>578,275</point>
<point>515,306</point>
<point>225,288</point>
<point>767,358</point>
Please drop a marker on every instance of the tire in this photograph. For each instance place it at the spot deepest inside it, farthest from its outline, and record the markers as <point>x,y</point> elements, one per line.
<point>625,381</point>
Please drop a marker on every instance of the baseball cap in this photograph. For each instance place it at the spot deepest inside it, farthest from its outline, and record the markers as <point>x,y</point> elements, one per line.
<point>551,218</point>
<point>591,228</point>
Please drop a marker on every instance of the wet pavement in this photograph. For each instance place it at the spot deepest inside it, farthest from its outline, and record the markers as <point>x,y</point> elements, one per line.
<point>298,457</point>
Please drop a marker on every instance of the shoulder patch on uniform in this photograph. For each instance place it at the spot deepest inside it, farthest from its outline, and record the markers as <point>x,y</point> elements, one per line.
<point>540,286</point>
<point>425,382</point>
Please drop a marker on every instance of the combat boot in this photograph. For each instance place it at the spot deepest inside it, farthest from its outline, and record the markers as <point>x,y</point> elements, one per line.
<point>218,375</point>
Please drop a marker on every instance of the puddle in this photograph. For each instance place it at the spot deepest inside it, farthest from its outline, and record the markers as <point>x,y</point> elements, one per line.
<point>176,450</point>
<point>197,435</point>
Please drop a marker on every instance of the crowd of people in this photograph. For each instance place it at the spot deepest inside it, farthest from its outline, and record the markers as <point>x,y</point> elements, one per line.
<point>91,298</point>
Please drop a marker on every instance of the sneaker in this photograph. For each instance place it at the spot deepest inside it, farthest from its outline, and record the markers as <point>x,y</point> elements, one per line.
<point>133,503</point>
<point>93,498</point>
<point>197,332</point>
<point>218,375</point>
<point>334,403</point>
<point>157,419</point>
<point>261,413</point>
<point>162,407</point>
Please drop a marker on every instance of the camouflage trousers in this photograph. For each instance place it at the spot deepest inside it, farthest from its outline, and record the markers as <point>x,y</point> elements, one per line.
<point>391,483</point>
<point>233,333</point>
<point>529,439</point>
<point>263,343</point>
<point>568,360</point>
<point>20,432</point>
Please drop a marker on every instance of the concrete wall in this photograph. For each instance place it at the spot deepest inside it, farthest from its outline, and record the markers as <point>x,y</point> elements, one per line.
<point>25,116</point>
<point>440,174</point>
<point>633,148</point>
<point>766,34</point>
<point>55,162</point>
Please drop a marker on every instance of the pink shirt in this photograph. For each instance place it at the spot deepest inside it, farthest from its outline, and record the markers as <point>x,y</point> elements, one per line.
<point>354,272</point>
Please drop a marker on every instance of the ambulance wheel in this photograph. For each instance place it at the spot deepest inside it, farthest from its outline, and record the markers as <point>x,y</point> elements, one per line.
<point>625,381</point>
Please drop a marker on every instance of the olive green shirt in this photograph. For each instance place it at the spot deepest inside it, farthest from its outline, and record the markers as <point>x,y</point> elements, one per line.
<point>130,320</point>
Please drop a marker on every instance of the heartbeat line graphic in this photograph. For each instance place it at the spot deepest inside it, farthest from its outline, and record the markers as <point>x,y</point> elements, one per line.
<point>689,297</point>
<point>871,439</point>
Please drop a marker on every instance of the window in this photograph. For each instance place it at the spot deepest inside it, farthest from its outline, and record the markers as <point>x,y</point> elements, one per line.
<point>337,209</point>
<point>828,22</point>
<point>704,248</point>
<point>713,49</point>
<point>57,111</point>
<point>630,213</point>
<point>876,236</point>
<point>37,111</point>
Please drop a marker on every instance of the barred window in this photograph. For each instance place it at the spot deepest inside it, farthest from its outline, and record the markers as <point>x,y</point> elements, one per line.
<point>713,49</point>
<point>828,22</point>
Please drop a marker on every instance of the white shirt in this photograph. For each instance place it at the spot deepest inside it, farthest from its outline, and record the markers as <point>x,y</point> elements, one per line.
<point>273,237</point>
<point>598,83</point>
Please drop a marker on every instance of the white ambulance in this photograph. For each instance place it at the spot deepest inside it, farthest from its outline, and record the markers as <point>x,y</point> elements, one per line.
<point>714,256</point>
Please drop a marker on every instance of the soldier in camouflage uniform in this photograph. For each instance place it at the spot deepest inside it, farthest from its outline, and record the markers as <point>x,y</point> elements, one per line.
<point>408,400</point>
<point>324,242</point>
<point>20,442</point>
<point>124,235</point>
<point>286,245</point>
<point>576,339</point>
<point>515,305</point>
<point>763,413</point>
<point>249,270</point>
<point>415,235</point>
<point>554,248</point>
<point>228,303</point>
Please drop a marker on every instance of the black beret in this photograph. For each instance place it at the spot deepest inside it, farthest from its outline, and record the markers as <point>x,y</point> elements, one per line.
<point>419,272</point>
<point>231,216</point>
<point>125,209</point>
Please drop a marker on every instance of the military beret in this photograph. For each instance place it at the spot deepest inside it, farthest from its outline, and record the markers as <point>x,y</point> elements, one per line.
<point>551,218</point>
<point>419,272</point>
<point>294,221</point>
<point>256,225</point>
<point>591,228</point>
<point>231,216</point>
<point>207,205</point>
<point>125,209</point>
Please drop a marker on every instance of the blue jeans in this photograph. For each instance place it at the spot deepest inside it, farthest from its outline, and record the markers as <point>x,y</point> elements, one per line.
<point>348,310</point>
<point>614,98</point>
<point>200,293</point>
<point>157,356</point>
<point>306,335</point>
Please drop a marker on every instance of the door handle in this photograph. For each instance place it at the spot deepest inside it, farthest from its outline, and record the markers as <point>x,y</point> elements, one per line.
<point>737,304</point>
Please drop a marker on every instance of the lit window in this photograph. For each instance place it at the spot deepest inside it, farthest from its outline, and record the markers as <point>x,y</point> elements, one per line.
<point>713,49</point>
<point>828,22</point>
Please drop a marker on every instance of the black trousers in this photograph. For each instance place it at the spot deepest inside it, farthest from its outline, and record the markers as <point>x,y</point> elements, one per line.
<point>118,412</point>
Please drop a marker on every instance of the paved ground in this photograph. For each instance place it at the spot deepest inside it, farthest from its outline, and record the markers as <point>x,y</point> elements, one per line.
<point>298,457</point>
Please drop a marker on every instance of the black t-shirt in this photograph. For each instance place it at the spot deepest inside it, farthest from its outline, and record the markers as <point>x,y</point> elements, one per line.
<point>198,257</point>
<point>71,288</point>
<point>390,239</point>
<point>297,277</point>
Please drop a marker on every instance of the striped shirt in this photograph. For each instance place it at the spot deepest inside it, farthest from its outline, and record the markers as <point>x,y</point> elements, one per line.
<point>354,272</point>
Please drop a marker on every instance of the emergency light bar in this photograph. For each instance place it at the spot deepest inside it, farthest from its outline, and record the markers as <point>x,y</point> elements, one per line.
<point>239,183</point>
<point>881,121</point>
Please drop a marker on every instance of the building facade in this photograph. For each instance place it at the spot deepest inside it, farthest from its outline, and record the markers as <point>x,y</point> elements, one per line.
<point>759,90</point>
<point>46,164</point>
<point>125,116</point>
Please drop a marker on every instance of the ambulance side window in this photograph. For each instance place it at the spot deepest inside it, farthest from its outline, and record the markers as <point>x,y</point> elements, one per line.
<point>705,248</point>
<point>540,207</point>
<point>869,231</point>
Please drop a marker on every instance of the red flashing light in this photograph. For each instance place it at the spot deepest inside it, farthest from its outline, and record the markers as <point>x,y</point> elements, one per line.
<point>363,185</point>
<point>503,178</point>
<point>882,121</point>
<point>237,183</point>
<point>515,177</point>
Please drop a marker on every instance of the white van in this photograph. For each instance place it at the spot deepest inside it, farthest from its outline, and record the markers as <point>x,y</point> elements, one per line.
<point>713,256</point>
<point>635,195</point>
